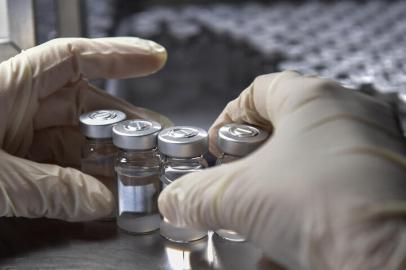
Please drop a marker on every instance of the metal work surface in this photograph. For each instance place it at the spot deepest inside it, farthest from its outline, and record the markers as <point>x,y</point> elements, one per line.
<point>51,244</point>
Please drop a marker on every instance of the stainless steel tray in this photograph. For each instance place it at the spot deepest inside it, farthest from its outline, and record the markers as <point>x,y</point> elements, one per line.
<point>51,244</point>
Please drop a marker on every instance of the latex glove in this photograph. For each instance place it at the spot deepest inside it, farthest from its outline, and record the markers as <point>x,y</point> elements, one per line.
<point>43,91</point>
<point>326,191</point>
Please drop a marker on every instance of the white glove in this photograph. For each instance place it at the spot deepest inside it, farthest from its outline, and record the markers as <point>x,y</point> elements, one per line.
<point>328,189</point>
<point>43,91</point>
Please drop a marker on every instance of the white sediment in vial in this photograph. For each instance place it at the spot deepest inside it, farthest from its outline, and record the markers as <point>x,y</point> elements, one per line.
<point>230,235</point>
<point>132,223</point>
<point>178,234</point>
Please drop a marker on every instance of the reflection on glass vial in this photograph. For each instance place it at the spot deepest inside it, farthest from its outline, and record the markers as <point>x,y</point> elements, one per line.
<point>98,151</point>
<point>236,141</point>
<point>138,182</point>
<point>182,148</point>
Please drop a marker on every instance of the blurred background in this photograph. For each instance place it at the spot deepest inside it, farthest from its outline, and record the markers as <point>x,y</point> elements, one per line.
<point>216,48</point>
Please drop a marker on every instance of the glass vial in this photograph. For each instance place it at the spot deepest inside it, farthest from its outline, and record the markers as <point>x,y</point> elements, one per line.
<point>182,148</point>
<point>137,168</point>
<point>236,141</point>
<point>98,151</point>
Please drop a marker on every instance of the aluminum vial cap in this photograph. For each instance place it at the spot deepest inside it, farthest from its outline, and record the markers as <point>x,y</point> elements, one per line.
<point>240,139</point>
<point>183,141</point>
<point>136,134</point>
<point>98,124</point>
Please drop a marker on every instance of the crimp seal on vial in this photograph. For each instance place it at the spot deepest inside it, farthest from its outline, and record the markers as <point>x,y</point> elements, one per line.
<point>240,139</point>
<point>98,124</point>
<point>183,141</point>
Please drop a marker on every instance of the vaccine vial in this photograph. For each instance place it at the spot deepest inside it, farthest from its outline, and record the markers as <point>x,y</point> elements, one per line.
<point>137,167</point>
<point>182,150</point>
<point>236,141</point>
<point>98,151</point>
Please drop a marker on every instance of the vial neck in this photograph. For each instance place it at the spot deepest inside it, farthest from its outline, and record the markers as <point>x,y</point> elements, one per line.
<point>232,155</point>
<point>137,159</point>
<point>99,140</point>
<point>183,159</point>
<point>137,152</point>
<point>192,161</point>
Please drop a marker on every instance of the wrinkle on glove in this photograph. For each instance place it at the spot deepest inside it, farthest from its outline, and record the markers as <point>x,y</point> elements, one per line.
<point>326,191</point>
<point>51,191</point>
<point>43,92</point>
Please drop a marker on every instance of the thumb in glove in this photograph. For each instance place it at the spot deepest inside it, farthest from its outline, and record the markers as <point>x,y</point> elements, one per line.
<point>326,191</point>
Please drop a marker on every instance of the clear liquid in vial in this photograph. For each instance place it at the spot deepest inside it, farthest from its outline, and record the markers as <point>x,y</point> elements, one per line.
<point>138,191</point>
<point>102,168</point>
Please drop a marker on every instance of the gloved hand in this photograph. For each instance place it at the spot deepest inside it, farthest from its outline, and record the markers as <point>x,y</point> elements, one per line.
<point>43,91</point>
<point>326,191</point>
